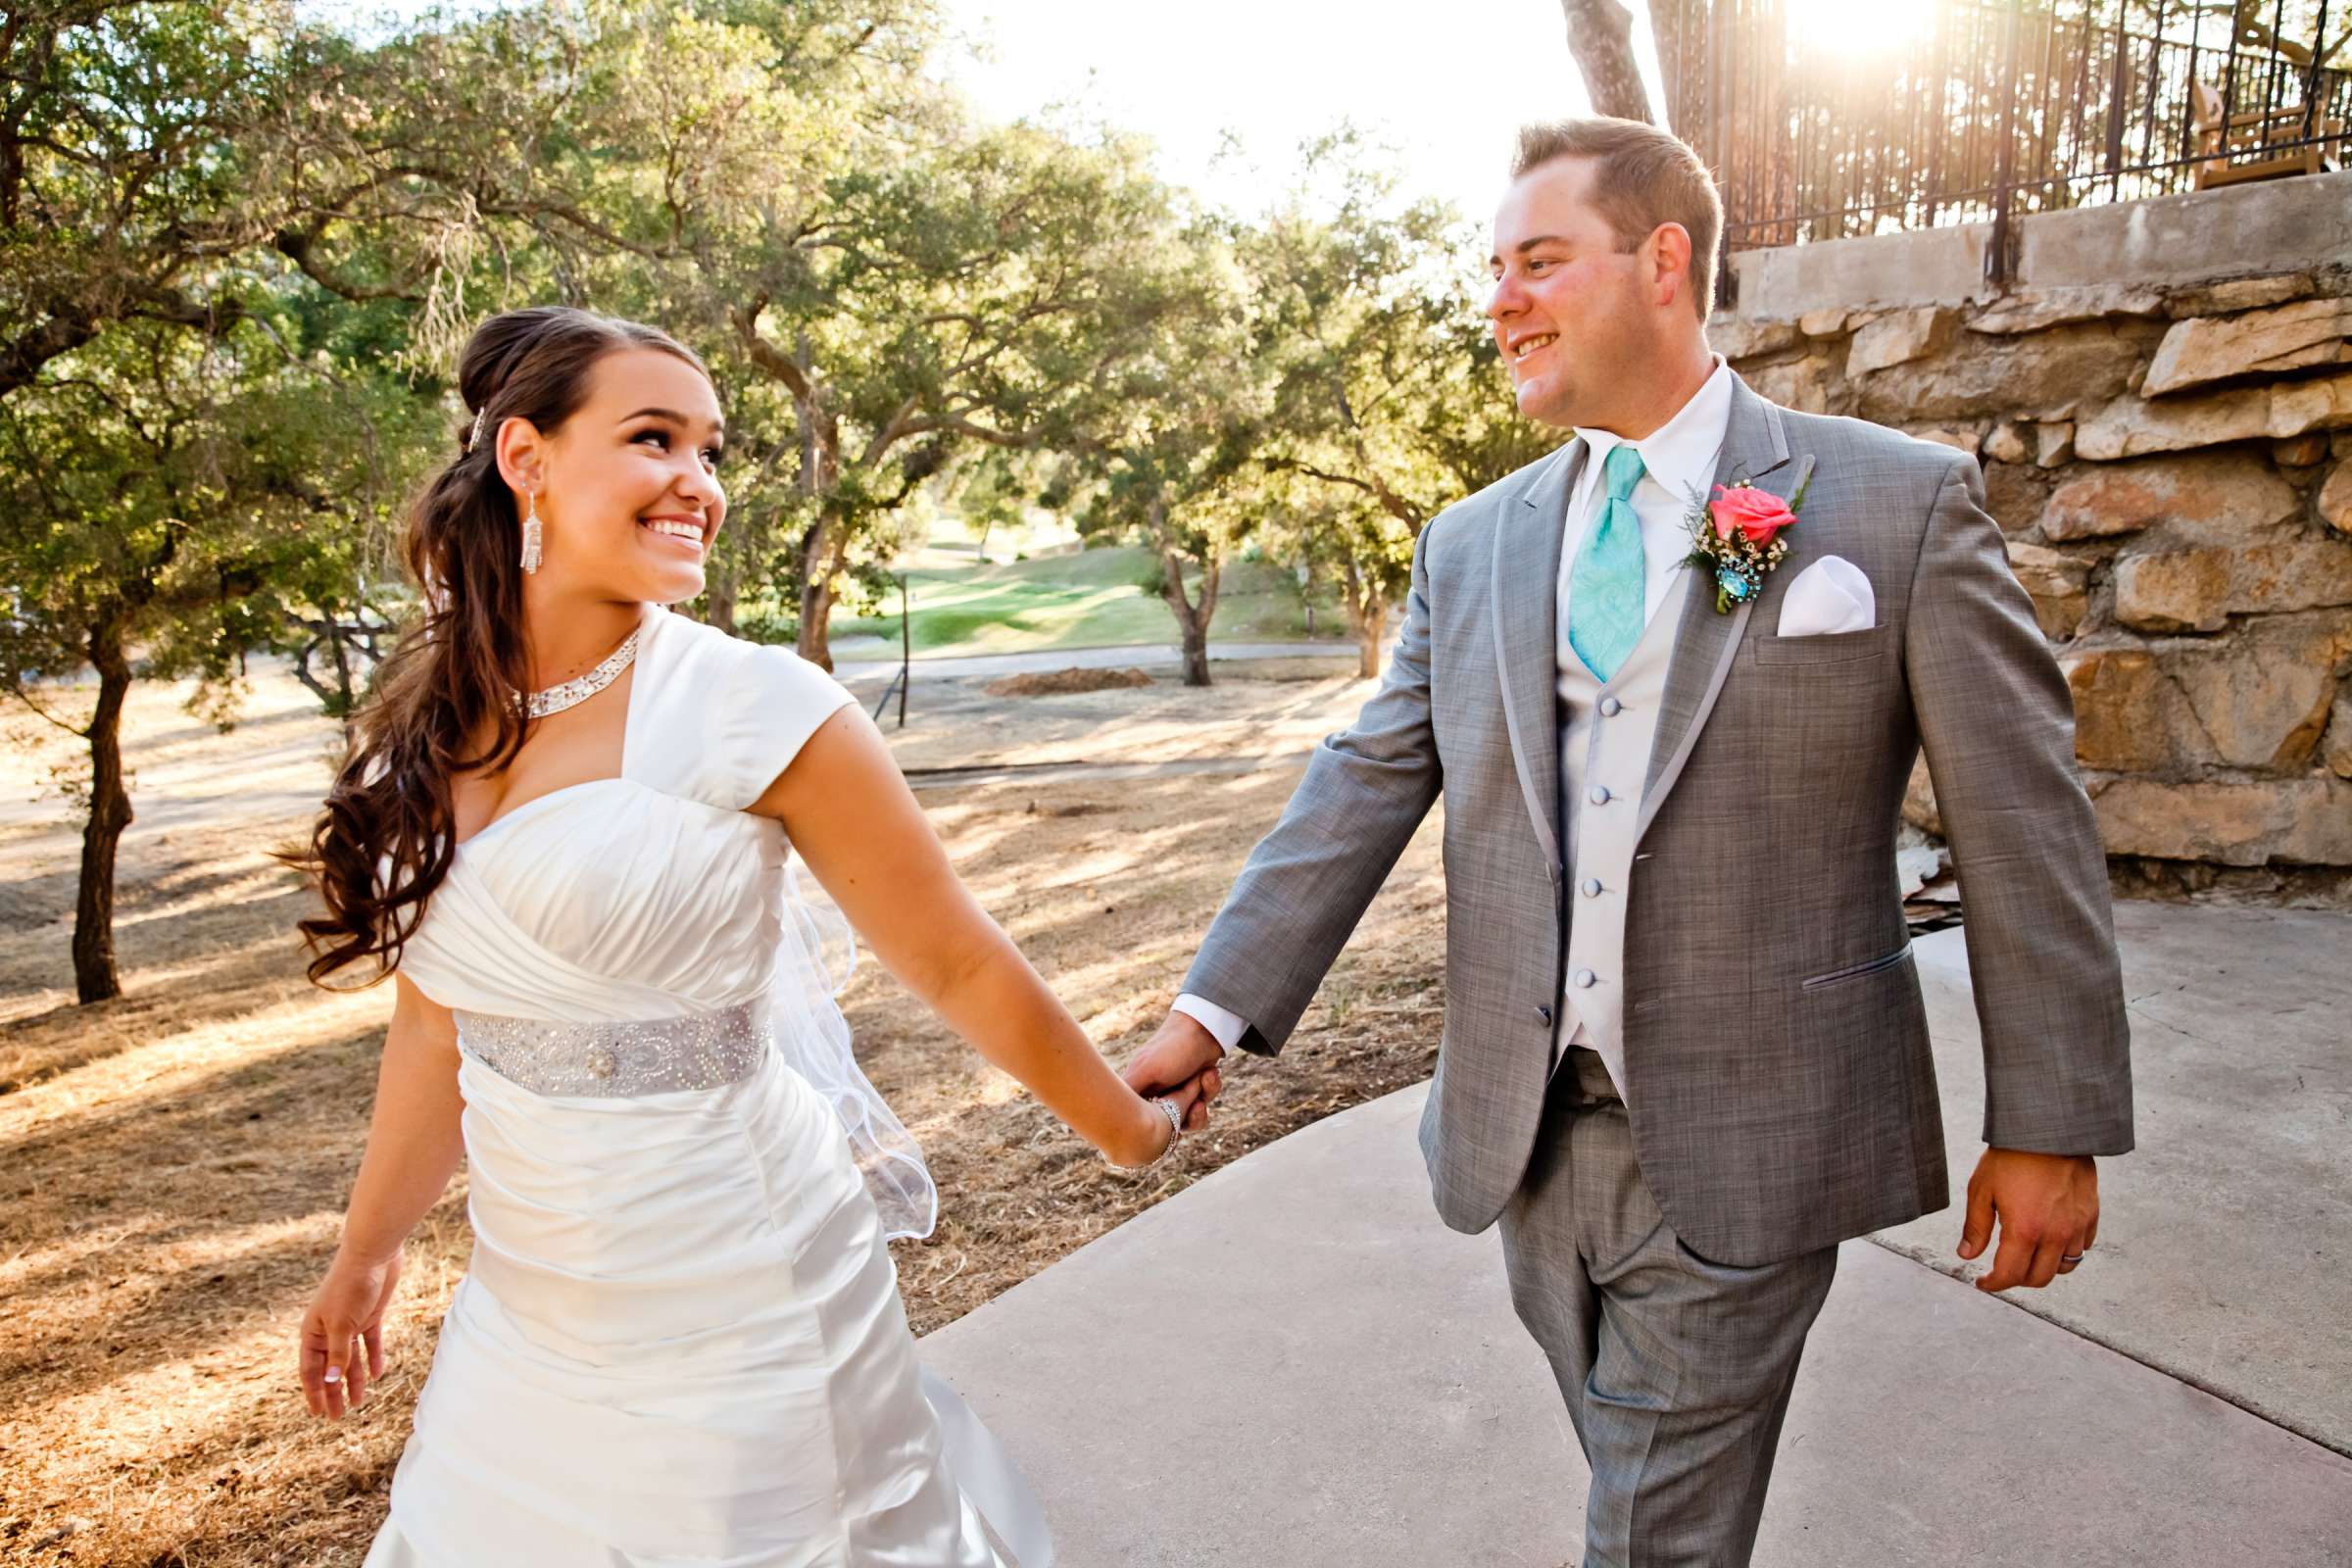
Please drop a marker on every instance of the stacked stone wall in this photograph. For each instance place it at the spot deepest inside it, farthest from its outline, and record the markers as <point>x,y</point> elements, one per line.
<point>2172,465</point>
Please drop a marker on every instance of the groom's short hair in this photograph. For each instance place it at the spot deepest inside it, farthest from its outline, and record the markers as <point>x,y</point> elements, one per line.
<point>1641,176</point>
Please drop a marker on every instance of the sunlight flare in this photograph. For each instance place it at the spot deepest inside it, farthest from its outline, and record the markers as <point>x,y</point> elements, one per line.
<point>1858,28</point>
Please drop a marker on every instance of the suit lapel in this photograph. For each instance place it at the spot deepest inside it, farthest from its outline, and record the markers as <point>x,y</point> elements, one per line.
<point>1525,620</point>
<point>1705,645</point>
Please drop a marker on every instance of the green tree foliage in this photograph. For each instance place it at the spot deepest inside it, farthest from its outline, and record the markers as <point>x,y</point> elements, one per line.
<point>238,253</point>
<point>119,183</point>
<point>1164,454</point>
<point>169,501</point>
<point>780,183</point>
<point>992,491</point>
<point>196,454</point>
<point>1388,401</point>
<point>982,295</point>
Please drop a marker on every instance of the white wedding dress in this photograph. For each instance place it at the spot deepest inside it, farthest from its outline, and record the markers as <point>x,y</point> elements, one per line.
<point>680,1339</point>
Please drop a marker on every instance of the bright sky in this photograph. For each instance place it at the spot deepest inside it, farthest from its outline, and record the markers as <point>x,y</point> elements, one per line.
<point>1443,82</point>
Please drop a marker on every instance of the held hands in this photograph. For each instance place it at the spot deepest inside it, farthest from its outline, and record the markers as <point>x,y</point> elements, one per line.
<point>2048,1207</point>
<point>1155,1131</point>
<point>1182,1055</point>
<point>1177,1064</point>
<point>345,1316</point>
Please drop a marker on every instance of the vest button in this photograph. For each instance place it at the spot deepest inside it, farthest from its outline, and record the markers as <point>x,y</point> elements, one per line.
<point>1591,887</point>
<point>1598,795</point>
<point>1610,708</point>
<point>1584,979</point>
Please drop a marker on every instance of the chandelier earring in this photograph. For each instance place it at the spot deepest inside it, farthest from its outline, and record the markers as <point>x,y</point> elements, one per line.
<point>530,531</point>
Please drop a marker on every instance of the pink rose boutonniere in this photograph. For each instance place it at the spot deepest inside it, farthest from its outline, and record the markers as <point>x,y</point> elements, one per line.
<point>1736,539</point>
<point>1745,509</point>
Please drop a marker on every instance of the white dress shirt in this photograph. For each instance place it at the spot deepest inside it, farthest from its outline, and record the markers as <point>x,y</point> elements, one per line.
<point>1677,459</point>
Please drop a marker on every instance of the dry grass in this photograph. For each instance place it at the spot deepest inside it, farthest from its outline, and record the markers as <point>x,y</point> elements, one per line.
<point>1107,887</point>
<point>173,1164</point>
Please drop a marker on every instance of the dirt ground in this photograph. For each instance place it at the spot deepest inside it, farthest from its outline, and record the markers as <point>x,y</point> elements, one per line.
<point>173,1164</point>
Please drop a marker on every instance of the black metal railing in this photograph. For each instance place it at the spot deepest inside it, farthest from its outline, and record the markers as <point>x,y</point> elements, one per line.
<point>1975,111</point>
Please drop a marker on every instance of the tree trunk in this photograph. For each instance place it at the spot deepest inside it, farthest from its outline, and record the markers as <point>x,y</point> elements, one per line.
<point>94,977</point>
<point>1196,650</point>
<point>347,700</point>
<point>1678,32</point>
<point>1196,653</point>
<point>1192,619</point>
<point>815,643</point>
<point>1367,617</point>
<point>820,475</point>
<point>1371,625</point>
<point>719,597</point>
<point>1600,36</point>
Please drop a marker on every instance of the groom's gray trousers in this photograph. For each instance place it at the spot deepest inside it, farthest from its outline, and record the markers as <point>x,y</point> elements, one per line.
<point>1777,1084</point>
<point>1677,1370</point>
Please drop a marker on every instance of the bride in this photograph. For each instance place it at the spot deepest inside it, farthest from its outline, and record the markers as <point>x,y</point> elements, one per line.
<point>680,1339</point>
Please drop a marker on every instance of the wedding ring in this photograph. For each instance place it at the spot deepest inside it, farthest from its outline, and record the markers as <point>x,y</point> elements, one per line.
<point>2069,1258</point>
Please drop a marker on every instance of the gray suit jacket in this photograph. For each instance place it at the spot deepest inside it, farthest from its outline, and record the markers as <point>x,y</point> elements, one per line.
<point>1776,1065</point>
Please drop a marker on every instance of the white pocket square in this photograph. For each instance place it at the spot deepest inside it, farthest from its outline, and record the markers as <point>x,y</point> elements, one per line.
<point>1827,597</point>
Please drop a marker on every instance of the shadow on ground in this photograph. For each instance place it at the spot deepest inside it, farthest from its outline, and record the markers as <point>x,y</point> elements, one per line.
<point>173,1164</point>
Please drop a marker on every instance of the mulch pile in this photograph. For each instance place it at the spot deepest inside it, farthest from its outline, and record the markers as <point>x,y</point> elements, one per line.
<point>1065,682</point>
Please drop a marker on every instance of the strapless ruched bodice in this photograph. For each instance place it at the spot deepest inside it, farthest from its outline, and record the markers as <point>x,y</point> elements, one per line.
<point>609,893</point>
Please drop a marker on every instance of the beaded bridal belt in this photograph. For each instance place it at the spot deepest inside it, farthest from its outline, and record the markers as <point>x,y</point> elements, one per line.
<point>622,1058</point>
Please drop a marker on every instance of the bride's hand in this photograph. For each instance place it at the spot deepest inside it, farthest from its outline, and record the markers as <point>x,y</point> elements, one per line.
<point>1155,1130</point>
<point>345,1316</point>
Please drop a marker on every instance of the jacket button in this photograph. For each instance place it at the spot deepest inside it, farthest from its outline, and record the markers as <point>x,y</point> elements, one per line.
<point>1584,979</point>
<point>1543,1014</point>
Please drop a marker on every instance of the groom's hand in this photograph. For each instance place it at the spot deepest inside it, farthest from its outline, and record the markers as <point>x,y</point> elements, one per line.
<point>1180,1052</point>
<point>2048,1207</point>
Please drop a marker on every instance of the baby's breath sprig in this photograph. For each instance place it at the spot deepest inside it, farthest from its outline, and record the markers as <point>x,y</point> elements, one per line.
<point>1738,564</point>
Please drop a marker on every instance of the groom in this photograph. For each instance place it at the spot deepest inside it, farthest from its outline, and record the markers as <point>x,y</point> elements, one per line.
<point>1684,1053</point>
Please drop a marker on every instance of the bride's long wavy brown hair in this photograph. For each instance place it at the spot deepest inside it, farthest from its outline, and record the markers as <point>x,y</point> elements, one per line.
<point>386,839</point>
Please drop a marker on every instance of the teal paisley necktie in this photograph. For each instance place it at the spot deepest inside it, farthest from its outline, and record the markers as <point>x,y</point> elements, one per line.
<point>1604,585</point>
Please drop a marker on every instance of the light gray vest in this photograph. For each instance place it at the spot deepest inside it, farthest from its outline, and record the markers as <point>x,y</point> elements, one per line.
<point>1605,736</point>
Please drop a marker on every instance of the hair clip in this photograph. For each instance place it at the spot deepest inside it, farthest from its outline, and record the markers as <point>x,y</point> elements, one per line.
<point>475,432</point>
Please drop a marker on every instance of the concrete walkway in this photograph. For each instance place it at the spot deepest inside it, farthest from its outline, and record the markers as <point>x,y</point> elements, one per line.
<point>2225,1252</point>
<point>1294,1363</point>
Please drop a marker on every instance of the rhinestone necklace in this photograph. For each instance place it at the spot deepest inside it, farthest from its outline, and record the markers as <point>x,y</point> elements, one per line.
<point>574,692</point>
